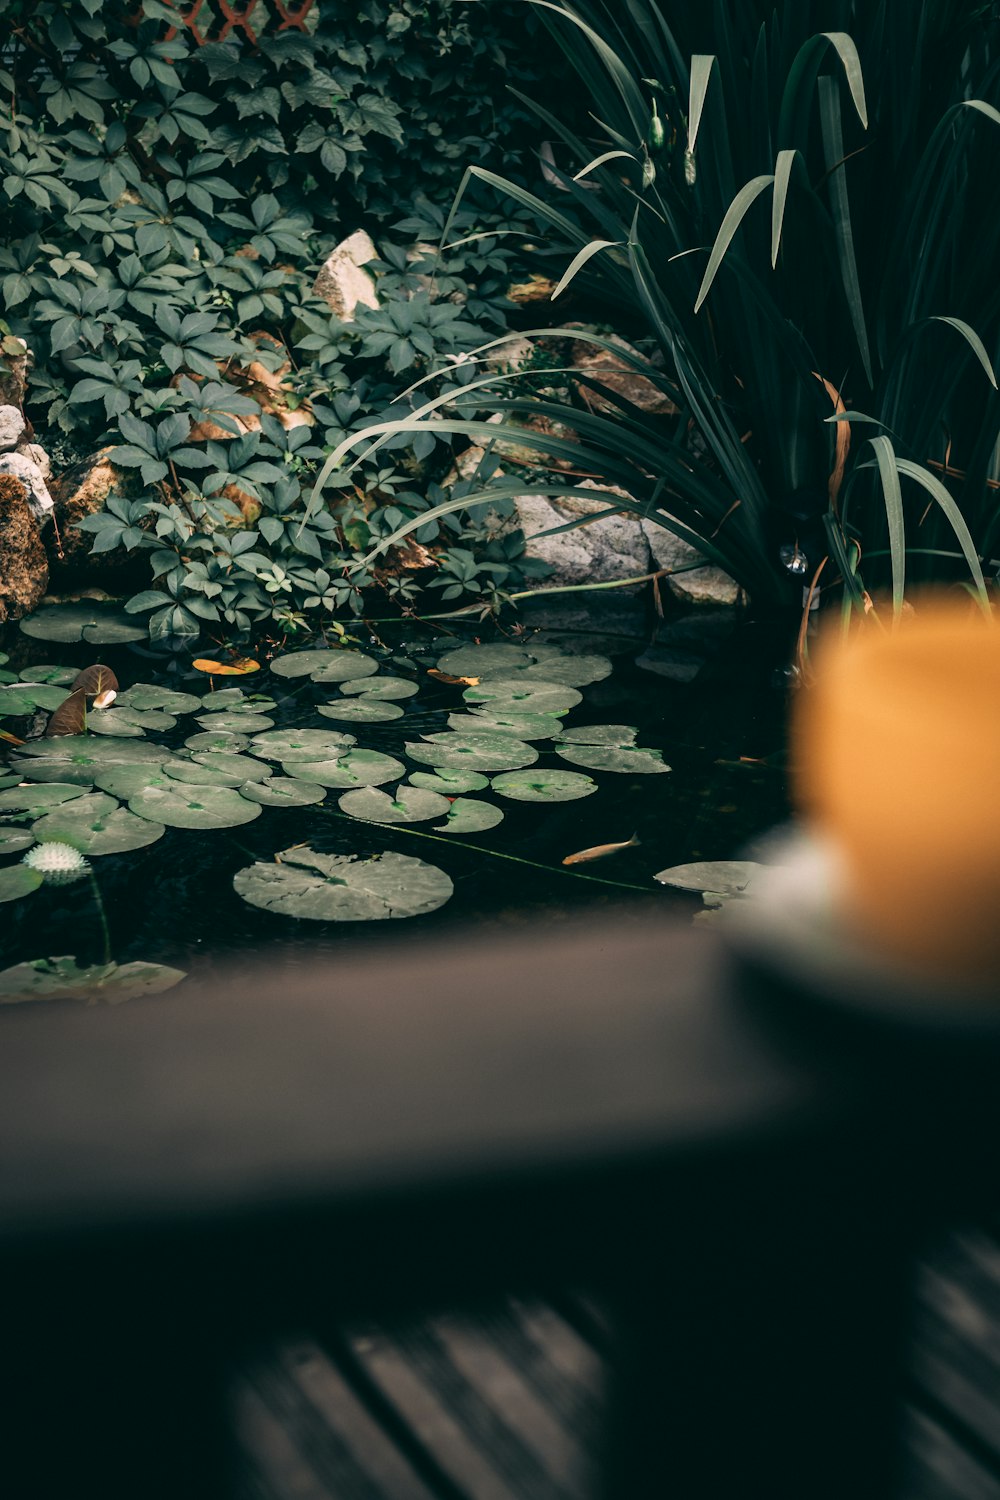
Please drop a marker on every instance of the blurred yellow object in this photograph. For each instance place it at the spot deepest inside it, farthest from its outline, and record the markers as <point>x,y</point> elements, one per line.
<point>897,744</point>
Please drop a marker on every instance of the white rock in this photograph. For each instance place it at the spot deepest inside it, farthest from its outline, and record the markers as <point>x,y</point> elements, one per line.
<point>703,584</point>
<point>12,426</point>
<point>342,281</point>
<point>27,471</point>
<point>613,547</point>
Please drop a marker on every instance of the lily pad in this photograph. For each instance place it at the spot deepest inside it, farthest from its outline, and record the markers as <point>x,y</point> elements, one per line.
<point>225,740</point>
<point>406,805</point>
<point>85,621</point>
<point>468,815</point>
<point>97,825</point>
<point>496,721</point>
<point>129,781</point>
<point>575,671</point>
<point>63,979</point>
<point>234,701</point>
<point>485,662</point>
<point>14,839</point>
<point>17,881</point>
<point>58,676</point>
<point>183,806</point>
<point>226,722</point>
<point>128,721</point>
<point>283,791</point>
<point>325,666</point>
<point>723,877</point>
<point>475,752</point>
<point>383,689</point>
<point>78,758</point>
<point>146,696</point>
<point>355,768</point>
<point>628,759</point>
<point>21,698</point>
<point>544,786</point>
<point>449,782</point>
<point>519,695</point>
<point>600,734</point>
<point>302,744</point>
<point>343,888</point>
<point>215,768</point>
<point>40,798</point>
<point>361,711</point>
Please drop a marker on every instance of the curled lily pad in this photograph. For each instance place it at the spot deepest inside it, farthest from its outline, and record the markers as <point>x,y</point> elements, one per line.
<point>220,739</point>
<point>146,697</point>
<point>600,734</point>
<point>406,805</point>
<point>14,839</point>
<point>302,744</point>
<point>449,782</point>
<point>361,710</point>
<point>383,689</point>
<point>343,888</point>
<point>468,815</point>
<point>242,723</point>
<point>128,721</point>
<point>474,752</point>
<point>36,799</point>
<point>283,791</point>
<point>183,806</point>
<point>355,768</point>
<point>78,758</point>
<point>17,881</point>
<point>63,979</point>
<point>21,698</point>
<point>85,621</point>
<point>723,877</point>
<point>96,825</point>
<point>628,759</point>
<point>58,676</point>
<point>519,695</point>
<point>543,786</point>
<point>520,726</point>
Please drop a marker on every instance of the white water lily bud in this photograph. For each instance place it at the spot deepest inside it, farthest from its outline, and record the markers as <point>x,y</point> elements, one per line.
<point>59,864</point>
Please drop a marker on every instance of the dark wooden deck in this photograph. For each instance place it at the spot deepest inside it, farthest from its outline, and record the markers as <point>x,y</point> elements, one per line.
<point>509,1404</point>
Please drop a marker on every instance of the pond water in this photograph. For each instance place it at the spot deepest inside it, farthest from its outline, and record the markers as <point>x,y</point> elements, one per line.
<point>173,900</point>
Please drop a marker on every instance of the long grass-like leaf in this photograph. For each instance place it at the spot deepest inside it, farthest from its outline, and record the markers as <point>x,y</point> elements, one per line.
<point>885,457</point>
<point>701,72</point>
<point>833,148</point>
<point>974,342</point>
<point>579,260</point>
<point>782,177</point>
<point>956,520</point>
<point>599,161</point>
<point>838,550</point>
<point>735,214</point>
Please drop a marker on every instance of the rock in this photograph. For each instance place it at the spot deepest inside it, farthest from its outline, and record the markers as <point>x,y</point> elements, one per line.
<point>13,370</point>
<point>531,457</point>
<point>511,355</point>
<point>12,426</point>
<point>613,547</point>
<point>466,465</point>
<point>536,289</point>
<point>20,459</point>
<point>619,376</point>
<point>342,281</point>
<point>24,570</point>
<point>702,584</point>
<point>82,491</point>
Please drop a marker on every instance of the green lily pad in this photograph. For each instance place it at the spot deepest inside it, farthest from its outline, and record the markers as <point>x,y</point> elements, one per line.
<point>215,768</point>
<point>62,979</point>
<point>361,711</point>
<point>574,671</point>
<point>37,799</point>
<point>520,726</point>
<point>383,689</point>
<point>13,839</point>
<point>629,759</point>
<point>355,768</point>
<point>343,888</point>
<point>6,781</point>
<point>302,744</point>
<point>406,805</point>
<point>22,698</point>
<point>147,697</point>
<point>226,722</point>
<point>600,734</point>
<point>220,739</point>
<point>6,676</point>
<point>183,806</point>
<point>85,621</point>
<point>234,701</point>
<point>325,666</point>
<point>468,815</point>
<point>449,782</point>
<point>723,877</point>
<point>485,661</point>
<point>78,757</point>
<point>59,676</point>
<point>128,721</point>
<point>283,791</point>
<point>519,695</point>
<point>97,825</point>
<point>17,881</point>
<point>543,786</point>
<point>475,752</point>
<point>129,781</point>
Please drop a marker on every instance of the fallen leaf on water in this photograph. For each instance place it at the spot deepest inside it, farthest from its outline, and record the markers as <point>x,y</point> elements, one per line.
<point>238,668</point>
<point>446,677</point>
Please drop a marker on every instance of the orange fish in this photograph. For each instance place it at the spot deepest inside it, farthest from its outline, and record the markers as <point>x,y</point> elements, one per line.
<point>599,851</point>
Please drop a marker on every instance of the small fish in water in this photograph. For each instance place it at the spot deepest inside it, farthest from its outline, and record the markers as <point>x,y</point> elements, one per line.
<point>600,850</point>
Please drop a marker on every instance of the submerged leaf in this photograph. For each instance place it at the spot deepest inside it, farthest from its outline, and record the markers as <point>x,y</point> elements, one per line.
<point>343,888</point>
<point>543,786</point>
<point>62,979</point>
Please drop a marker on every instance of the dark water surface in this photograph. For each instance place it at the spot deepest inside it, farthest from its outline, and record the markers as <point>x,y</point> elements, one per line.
<point>173,902</point>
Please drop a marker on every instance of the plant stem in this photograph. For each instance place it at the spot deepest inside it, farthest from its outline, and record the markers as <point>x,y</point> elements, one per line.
<point>103,916</point>
<point>440,838</point>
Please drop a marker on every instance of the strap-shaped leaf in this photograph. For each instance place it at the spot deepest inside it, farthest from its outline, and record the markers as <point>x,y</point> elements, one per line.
<point>974,342</point>
<point>735,214</point>
<point>701,72</point>
<point>885,456</point>
<point>581,258</point>
<point>833,151</point>
<point>599,161</point>
<point>946,501</point>
<point>782,177</point>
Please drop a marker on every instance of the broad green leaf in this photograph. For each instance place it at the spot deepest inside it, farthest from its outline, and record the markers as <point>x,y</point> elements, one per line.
<point>408,804</point>
<point>57,676</point>
<point>540,785</point>
<point>302,744</point>
<point>343,888</point>
<point>325,666</point>
<point>600,734</point>
<point>628,759</point>
<point>472,752</point>
<point>361,710</point>
<point>201,807</point>
<point>37,799</point>
<point>82,622</point>
<point>468,815</point>
<point>516,695</point>
<point>354,768</point>
<point>485,661</point>
<point>17,881</point>
<point>79,757</point>
<point>225,740</point>
<point>128,721</point>
<point>216,768</point>
<point>227,721</point>
<point>146,695</point>
<point>283,791</point>
<point>449,782</point>
<point>62,979</point>
<point>382,689</point>
<point>14,839</point>
<point>574,671</point>
<point>96,825</point>
<point>24,698</point>
<point>521,726</point>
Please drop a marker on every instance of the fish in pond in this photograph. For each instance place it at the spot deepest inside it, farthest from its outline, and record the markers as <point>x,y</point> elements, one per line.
<point>599,851</point>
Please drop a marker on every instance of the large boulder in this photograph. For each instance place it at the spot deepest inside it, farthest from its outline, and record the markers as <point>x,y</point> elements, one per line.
<point>81,491</point>
<point>600,551</point>
<point>343,282</point>
<point>22,460</point>
<point>692,578</point>
<point>24,573</point>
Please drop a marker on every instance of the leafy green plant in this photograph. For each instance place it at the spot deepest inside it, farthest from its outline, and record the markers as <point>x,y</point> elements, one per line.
<point>832,359</point>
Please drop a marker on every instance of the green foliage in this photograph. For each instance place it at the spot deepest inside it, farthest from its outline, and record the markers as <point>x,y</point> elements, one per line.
<point>166,208</point>
<point>797,224</point>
